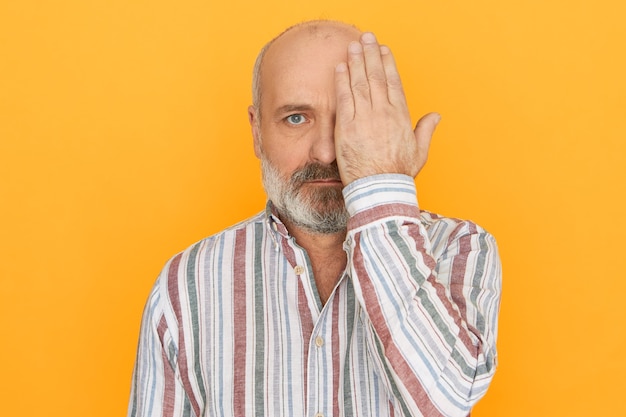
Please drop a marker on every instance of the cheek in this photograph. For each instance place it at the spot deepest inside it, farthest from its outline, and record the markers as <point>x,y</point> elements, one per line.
<point>287,164</point>
<point>285,155</point>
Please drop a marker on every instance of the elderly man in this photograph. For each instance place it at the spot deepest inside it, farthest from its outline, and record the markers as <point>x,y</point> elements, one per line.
<point>342,298</point>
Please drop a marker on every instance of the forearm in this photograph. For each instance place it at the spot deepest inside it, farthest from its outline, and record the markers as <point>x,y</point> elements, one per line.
<point>432,306</point>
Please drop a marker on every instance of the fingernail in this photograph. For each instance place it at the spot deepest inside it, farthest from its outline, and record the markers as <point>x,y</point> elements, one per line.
<point>438,119</point>
<point>384,50</point>
<point>341,67</point>
<point>368,37</point>
<point>355,48</point>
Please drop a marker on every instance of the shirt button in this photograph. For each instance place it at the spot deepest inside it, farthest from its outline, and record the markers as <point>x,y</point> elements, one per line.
<point>299,270</point>
<point>319,415</point>
<point>319,341</point>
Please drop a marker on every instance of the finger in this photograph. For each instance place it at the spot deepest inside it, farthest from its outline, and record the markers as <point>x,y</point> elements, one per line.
<point>395,92</point>
<point>374,68</point>
<point>423,134</point>
<point>358,78</point>
<point>343,93</point>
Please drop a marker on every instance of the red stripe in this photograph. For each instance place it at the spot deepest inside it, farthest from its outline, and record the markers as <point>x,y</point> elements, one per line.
<point>183,366</point>
<point>458,268</point>
<point>239,324</point>
<point>457,280</point>
<point>169,388</point>
<point>307,330</point>
<point>381,212</point>
<point>289,253</point>
<point>335,351</point>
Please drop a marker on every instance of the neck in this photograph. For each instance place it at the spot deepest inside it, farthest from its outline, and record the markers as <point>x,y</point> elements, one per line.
<point>325,251</point>
<point>316,242</point>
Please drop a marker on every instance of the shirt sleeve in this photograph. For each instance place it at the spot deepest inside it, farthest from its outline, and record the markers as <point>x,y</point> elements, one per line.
<point>430,290</point>
<point>156,388</point>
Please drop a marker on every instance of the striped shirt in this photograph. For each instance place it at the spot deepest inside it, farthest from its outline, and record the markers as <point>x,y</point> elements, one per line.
<point>235,327</point>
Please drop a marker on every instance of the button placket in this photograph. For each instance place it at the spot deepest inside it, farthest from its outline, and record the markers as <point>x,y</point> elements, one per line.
<point>320,365</point>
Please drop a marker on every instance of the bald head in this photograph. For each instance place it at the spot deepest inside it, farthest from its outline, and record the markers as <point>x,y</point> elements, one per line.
<point>280,45</point>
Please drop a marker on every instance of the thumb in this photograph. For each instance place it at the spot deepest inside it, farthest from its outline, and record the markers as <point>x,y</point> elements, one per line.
<point>423,132</point>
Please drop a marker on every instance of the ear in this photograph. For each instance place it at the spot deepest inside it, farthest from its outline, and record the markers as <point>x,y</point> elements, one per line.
<point>253,118</point>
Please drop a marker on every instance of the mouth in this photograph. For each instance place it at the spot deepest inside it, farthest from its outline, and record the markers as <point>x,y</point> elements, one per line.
<point>325,181</point>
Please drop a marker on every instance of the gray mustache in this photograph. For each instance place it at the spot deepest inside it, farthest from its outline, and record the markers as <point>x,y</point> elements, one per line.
<point>315,171</point>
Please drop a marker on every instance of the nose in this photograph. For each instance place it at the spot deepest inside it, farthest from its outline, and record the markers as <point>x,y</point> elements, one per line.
<point>323,146</point>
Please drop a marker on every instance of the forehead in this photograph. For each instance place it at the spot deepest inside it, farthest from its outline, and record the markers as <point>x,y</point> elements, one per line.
<point>302,60</point>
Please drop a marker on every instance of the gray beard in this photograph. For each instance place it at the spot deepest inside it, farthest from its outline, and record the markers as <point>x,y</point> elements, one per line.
<point>318,211</point>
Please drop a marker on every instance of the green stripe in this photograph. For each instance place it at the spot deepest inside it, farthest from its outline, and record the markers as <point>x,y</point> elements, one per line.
<point>476,280</point>
<point>187,411</point>
<point>193,305</point>
<point>259,320</point>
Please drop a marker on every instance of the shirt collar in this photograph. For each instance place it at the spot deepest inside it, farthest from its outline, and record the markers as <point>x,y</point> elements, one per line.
<point>274,222</point>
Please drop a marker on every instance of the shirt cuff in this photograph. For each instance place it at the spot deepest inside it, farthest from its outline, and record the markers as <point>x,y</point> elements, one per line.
<point>377,196</point>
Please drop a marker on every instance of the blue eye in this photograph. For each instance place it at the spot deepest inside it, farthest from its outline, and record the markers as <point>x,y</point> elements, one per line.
<point>296,119</point>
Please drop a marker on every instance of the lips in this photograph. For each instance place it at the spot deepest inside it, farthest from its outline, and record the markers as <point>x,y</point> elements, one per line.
<point>328,181</point>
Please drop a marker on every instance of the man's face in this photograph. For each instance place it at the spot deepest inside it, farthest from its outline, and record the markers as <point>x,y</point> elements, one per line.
<point>294,127</point>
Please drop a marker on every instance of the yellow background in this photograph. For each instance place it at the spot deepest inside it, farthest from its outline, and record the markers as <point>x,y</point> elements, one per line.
<point>123,139</point>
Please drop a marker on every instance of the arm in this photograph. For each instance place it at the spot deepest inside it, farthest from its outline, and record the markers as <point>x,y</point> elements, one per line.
<point>156,388</point>
<point>431,295</point>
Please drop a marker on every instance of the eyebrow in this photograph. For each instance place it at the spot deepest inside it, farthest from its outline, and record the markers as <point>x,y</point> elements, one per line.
<point>287,108</point>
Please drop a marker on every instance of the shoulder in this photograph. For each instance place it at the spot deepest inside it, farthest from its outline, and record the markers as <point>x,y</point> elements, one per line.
<point>182,274</point>
<point>212,243</point>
